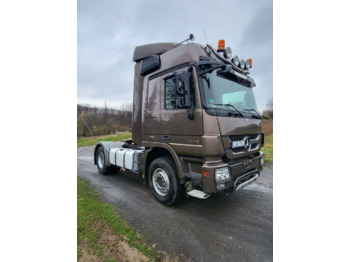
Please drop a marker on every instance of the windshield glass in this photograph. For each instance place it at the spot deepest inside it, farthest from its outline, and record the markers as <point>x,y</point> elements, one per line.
<point>223,90</point>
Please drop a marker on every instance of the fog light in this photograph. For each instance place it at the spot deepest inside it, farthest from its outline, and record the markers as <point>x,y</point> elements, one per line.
<point>222,174</point>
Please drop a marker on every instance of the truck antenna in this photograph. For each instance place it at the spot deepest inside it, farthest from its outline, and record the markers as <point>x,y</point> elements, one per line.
<point>205,35</point>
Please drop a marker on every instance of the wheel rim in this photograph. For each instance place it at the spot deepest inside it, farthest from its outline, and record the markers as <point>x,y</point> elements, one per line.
<point>160,181</point>
<point>100,160</point>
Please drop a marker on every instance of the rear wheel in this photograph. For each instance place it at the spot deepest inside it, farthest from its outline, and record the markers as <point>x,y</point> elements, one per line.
<point>101,163</point>
<point>164,182</point>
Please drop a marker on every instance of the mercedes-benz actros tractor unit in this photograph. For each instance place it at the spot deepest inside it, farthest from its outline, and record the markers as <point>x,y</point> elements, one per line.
<point>196,130</point>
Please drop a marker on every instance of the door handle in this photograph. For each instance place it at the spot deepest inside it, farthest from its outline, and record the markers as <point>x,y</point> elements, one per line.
<point>165,138</point>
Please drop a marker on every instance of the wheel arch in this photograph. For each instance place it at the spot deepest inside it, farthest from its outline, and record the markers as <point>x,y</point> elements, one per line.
<point>161,151</point>
<point>95,151</point>
<point>106,145</point>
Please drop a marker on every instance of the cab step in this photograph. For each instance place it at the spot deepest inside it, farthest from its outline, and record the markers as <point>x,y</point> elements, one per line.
<point>198,194</point>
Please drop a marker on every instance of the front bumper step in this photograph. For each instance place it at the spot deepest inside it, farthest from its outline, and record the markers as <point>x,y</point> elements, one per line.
<point>198,194</point>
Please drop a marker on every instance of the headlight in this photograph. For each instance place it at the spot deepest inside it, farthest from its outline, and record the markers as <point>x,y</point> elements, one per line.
<point>222,174</point>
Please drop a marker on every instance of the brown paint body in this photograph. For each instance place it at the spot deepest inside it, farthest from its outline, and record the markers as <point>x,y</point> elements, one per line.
<point>197,145</point>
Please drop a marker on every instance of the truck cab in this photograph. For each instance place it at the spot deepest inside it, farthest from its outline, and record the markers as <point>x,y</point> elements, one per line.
<point>196,130</point>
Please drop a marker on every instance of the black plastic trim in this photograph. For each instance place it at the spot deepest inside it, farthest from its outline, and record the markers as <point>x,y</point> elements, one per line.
<point>149,65</point>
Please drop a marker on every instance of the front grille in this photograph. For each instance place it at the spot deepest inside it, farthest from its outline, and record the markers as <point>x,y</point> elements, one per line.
<point>240,137</point>
<point>240,160</point>
<point>255,140</point>
<point>237,160</point>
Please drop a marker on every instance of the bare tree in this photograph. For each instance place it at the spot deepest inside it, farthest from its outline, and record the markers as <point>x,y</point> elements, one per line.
<point>94,120</point>
<point>268,111</point>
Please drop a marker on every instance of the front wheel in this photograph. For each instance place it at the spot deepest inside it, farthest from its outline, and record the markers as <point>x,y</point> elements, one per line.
<point>164,182</point>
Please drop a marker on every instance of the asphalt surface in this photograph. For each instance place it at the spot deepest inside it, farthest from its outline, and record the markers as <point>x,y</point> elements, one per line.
<point>225,227</point>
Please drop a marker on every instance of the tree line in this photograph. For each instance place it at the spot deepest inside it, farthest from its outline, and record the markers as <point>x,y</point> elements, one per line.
<point>268,111</point>
<point>96,121</point>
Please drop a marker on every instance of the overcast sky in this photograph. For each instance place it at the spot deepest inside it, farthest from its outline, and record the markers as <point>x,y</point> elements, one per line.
<point>108,32</point>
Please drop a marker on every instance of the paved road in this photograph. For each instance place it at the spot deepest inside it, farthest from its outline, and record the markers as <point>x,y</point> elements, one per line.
<point>225,227</point>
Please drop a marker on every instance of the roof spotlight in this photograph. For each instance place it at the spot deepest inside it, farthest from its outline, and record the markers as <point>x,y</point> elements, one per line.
<point>251,62</point>
<point>228,53</point>
<point>235,61</point>
<point>242,64</point>
<point>248,64</point>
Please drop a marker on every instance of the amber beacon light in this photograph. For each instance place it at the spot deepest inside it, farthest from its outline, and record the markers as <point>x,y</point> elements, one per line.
<point>249,63</point>
<point>221,45</point>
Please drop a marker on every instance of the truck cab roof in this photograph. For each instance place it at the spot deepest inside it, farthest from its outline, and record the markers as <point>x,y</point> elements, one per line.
<point>144,51</point>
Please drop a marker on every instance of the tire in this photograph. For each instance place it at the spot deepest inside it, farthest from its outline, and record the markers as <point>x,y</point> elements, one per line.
<point>164,183</point>
<point>101,165</point>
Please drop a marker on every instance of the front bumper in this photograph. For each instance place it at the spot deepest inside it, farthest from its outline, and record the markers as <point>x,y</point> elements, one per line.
<point>243,172</point>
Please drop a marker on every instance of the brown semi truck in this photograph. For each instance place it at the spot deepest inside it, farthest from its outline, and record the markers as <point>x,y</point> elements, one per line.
<point>196,130</point>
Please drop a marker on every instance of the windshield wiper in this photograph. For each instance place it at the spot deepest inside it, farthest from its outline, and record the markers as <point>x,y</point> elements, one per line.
<point>251,109</point>
<point>227,105</point>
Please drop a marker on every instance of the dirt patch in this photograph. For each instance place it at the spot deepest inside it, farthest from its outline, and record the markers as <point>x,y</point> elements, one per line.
<point>87,254</point>
<point>110,245</point>
<point>267,127</point>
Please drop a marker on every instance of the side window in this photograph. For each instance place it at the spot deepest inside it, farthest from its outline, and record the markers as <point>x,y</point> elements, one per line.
<point>170,93</point>
<point>174,97</point>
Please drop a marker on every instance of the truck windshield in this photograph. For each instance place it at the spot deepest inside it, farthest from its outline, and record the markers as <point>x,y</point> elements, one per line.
<point>223,90</point>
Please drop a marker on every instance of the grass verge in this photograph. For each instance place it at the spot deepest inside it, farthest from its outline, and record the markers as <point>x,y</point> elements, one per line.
<point>94,140</point>
<point>102,234</point>
<point>268,149</point>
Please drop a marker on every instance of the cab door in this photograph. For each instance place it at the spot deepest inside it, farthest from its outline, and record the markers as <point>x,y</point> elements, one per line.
<point>181,124</point>
<point>151,110</point>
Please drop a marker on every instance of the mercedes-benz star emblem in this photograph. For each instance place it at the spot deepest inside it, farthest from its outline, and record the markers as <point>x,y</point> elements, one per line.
<point>247,144</point>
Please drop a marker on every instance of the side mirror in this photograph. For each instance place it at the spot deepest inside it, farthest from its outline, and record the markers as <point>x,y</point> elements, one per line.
<point>182,83</point>
<point>183,92</point>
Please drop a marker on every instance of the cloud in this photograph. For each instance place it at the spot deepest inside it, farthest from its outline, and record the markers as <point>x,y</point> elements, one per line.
<point>108,32</point>
<point>257,43</point>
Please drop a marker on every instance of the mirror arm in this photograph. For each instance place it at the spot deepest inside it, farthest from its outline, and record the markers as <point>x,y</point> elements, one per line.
<point>190,113</point>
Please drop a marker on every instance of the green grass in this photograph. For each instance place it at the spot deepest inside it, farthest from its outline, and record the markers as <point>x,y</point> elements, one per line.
<point>94,140</point>
<point>268,149</point>
<point>91,211</point>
